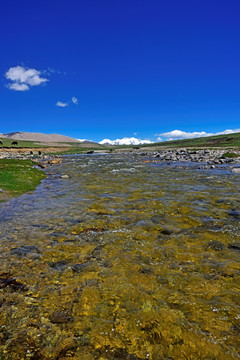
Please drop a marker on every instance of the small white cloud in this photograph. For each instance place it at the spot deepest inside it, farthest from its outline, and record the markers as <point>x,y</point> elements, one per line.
<point>61,104</point>
<point>74,100</point>
<point>22,78</point>
<point>125,141</point>
<point>18,87</point>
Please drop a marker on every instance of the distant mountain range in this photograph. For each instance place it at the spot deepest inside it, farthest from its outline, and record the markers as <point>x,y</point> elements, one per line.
<point>45,138</point>
<point>56,138</point>
<point>125,141</point>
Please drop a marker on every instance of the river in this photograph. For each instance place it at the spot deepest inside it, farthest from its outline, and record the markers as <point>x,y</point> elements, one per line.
<point>128,259</point>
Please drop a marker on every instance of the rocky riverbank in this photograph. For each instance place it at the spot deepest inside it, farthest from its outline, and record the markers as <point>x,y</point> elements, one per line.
<point>208,157</point>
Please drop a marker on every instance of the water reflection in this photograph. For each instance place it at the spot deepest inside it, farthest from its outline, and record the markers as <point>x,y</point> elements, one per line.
<point>126,259</point>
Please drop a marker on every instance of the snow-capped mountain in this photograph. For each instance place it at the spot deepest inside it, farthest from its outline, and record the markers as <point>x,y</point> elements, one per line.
<point>125,141</point>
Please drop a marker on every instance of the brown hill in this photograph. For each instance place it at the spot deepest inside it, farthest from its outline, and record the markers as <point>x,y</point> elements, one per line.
<point>45,138</point>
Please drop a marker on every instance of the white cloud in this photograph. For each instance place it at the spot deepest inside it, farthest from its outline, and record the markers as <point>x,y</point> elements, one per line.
<point>228,131</point>
<point>61,104</point>
<point>125,141</point>
<point>18,87</point>
<point>74,100</point>
<point>22,78</point>
<point>179,134</point>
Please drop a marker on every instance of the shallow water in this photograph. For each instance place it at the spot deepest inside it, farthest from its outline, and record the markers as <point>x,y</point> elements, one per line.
<point>126,259</point>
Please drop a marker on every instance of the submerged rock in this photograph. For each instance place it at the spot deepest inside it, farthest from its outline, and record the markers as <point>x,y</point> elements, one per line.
<point>235,246</point>
<point>26,250</point>
<point>81,267</point>
<point>58,265</point>
<point>166,232</point>
<point>215,245</point>
<point>7,280</point>
<point>61,317</point>
<point>234,213</point>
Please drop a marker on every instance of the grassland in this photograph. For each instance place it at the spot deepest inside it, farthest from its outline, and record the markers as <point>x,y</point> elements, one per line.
<point>229,141</point>
<point>61,148</point>
<point>218,141</point>
<point>18,177</point>
<point>7,143</point>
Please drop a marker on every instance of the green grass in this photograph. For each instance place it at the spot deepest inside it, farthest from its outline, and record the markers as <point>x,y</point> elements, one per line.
<point>229,155</point>
<point>80,149</point>
<point>18,177</point>
<point>21,143</point>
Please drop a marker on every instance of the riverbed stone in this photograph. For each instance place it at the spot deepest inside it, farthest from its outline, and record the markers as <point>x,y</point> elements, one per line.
<point>215,245</point>
<point>60,317</point>
<point>236,170</point>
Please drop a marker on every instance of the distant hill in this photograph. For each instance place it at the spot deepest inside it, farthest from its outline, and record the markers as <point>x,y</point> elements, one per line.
<point>45,138</point>
<point>216,141</point>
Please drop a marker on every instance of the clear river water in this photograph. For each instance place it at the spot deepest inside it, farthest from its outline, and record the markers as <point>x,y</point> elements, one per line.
<point>128,259</point>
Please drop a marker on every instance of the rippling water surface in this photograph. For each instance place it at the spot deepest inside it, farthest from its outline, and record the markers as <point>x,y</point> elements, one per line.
<point>126,259</point>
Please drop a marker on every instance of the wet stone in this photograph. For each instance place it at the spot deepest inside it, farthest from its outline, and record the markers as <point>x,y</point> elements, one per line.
<point>81,267</point>
<point>166,232</point>
<point>26,250</point>
<point>61,317</point>
<point>7,280</point>
<point>58,265</point>
<point>215,245</point>
<point>146,270</point>
<point>234,213</point>
<point>157,219</point>
<point>57,233</point>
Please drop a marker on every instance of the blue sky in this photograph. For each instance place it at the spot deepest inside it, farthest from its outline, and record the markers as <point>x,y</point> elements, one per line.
<point>137,68</point>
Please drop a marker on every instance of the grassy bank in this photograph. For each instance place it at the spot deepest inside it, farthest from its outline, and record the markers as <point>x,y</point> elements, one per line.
<point>18,177</point>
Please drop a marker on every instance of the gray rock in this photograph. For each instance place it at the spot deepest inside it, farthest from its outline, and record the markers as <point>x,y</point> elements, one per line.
<point>236,170</point>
